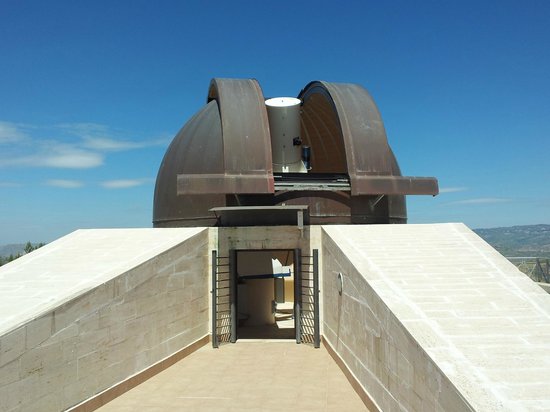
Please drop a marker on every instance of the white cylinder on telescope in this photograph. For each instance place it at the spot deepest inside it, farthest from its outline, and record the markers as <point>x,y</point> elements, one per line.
<point>284,125</point>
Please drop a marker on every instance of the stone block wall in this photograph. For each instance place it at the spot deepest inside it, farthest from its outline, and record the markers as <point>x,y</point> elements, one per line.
<point>108,334</point>
<point>387,361</point>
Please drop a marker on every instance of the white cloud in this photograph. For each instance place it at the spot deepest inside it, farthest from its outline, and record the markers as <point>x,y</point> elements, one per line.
<point>10,184</point>
<point>72,158</point>
<point>58,156</point>
<point>100,137</point>
<point>73,145</point>
<point>66,184</point>
<point>480,201</point>
<point>83,128</point>
<point>123,183</point>
<point>10,133</point>
<point>107,144</point>
<point>452,189</point>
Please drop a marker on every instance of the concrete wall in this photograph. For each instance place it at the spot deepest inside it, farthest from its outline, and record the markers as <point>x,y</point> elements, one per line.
<point>388,362</point>
<point>268,237</point>
<point>113,331</point>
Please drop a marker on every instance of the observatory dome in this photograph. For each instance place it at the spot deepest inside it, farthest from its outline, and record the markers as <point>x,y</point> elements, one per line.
<point>326,149</point>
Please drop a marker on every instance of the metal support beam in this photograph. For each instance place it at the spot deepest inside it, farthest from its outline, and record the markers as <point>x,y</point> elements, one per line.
<point>317,320</point>
<point>214,293</point>
<point>298,294</point>
<point>233,281</point>
<point>300,219</point>
<point>316,317</point>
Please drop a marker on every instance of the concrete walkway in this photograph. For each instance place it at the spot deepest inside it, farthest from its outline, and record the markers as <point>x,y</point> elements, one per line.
<point>246,376</point>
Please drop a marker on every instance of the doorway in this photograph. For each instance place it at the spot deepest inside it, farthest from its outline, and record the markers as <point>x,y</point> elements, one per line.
<point>265,294</point>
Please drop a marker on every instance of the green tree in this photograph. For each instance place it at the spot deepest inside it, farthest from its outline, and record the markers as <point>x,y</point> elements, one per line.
<point>29,247</point>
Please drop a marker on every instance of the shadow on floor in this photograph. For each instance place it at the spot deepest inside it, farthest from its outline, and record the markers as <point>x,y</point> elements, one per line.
<point>265,332</point>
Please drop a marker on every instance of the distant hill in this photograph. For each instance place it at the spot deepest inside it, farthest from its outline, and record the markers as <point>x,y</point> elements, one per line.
<point>12,249</point>
<point>531,240</point>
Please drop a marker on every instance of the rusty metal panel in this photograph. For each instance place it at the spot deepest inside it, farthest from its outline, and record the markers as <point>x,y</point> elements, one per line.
<point>367,148</point>
<point>395,185</point>
<point>356,124</point>
<point>197,148</point>
<point>197,184</point>
<point>245,132</point>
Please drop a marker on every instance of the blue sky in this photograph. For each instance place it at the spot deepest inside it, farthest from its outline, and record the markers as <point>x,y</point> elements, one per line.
<point>91,94</point>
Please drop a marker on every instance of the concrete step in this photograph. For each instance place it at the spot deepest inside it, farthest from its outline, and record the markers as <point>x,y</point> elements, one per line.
<point>283,316</point>
<point>285,324</point>
<point>285,307</point>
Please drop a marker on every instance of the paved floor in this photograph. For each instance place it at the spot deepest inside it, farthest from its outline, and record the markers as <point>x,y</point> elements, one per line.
<point>246,376</point>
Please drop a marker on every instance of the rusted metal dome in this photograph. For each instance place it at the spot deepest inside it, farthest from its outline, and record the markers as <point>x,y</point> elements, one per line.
<point>222,157</point>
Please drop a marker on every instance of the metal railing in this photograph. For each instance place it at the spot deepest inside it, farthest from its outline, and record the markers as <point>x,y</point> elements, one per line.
<point>308,323</point>
<point>536,268</point>
<point>222,325</point>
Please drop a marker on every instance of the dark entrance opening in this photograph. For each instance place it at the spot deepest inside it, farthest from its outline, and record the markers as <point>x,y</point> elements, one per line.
<point>265,294</point>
